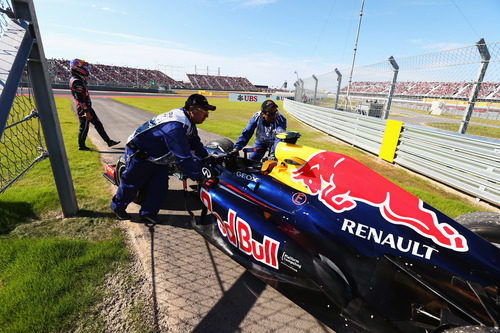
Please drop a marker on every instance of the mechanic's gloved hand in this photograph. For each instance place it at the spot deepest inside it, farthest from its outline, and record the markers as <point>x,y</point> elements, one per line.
<point>88,116</point>
<point>234,152</point>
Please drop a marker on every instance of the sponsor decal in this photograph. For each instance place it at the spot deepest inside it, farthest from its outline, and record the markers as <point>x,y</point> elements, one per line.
<point>341,182</point>
<point>387,239</point>
<point>110,170</point>
<point>253,98</point>
<point>239,233</point>
<point>206,172</point>
<point>248,177</point>
<point>299,198</point>
<point>290,262</point>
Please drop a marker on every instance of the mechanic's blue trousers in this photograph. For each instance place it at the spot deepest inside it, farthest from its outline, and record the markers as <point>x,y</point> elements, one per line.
<point>139,172</point>
<point>259,151</point>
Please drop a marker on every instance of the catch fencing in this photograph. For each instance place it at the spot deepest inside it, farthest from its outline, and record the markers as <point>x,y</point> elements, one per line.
<point>455,90</point>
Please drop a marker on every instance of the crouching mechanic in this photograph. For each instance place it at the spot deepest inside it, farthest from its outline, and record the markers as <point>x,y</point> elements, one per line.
<point>268,122</point>
<point>86,114</point>
<point>153,147</point>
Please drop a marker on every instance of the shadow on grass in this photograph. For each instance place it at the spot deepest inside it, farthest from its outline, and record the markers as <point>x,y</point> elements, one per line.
<point>94,214</point>
<point>13,214</point>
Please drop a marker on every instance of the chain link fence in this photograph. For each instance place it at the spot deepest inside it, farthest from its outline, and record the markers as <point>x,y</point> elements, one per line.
<point>435,90</point>
<point>21,143</point>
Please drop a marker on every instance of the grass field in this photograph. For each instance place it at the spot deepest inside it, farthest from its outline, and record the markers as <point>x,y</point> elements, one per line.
<point>51,268</point>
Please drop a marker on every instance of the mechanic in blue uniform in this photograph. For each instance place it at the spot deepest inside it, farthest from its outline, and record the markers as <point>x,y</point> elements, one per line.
<point>86,114</point>
<point>267,123</point>
<point>153,147</point>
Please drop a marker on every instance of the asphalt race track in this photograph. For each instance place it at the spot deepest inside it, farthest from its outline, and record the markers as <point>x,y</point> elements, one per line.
<point>195,287</point>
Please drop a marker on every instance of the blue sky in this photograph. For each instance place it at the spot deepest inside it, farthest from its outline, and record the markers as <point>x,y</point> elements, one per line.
<point>263,40</point>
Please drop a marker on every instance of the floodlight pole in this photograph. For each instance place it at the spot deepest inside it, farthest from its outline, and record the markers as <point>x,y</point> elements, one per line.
<point>339,81</point>
<point>354,53</point>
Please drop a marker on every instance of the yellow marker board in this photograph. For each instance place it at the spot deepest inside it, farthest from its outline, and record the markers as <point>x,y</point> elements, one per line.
<point>390,140</point>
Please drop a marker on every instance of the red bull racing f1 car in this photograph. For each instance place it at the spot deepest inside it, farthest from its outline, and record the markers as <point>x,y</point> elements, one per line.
<point>321,221</point>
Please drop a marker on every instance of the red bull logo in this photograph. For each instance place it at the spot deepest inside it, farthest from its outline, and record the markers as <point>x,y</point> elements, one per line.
<point>239,233</point>
<point>341,182</point>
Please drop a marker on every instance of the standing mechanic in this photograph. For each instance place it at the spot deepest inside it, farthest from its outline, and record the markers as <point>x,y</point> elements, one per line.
<point>268,122</point>
<point>86,114</point>
<point>156,144</point>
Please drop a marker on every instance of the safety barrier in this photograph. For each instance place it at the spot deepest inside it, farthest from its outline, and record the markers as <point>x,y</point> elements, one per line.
<point>470,164</point>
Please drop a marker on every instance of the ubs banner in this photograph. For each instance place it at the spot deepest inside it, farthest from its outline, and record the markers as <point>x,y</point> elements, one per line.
<point>257,98</point>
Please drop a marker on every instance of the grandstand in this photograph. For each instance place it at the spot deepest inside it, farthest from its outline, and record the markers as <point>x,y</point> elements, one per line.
<point>127,77</point>
<point>220,82</point>
<point>452,90</point>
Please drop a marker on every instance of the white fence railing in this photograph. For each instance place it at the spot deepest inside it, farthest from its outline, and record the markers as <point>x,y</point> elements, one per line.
<point>470,164</point>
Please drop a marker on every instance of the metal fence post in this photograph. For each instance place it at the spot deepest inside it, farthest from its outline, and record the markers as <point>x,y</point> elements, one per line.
<point>485,56</point>
<point>395,67</point>
<point>315,88</point>
<point>339,81</point>
<point>44,100</point>
<point>302,91</point>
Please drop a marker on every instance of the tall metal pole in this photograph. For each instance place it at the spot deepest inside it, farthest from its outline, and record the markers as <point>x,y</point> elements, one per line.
<point>354,53</point>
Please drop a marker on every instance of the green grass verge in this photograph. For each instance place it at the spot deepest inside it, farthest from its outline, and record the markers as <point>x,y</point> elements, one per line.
<point>230,118</point>
<point>48,281</point>
<point>50,267</point>
<point>472,129</point>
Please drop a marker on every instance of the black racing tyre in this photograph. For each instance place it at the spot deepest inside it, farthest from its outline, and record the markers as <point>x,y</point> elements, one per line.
<point>485,224</point>
<point>119,169</point>
<point>471,329</point>
<point>223,144</point>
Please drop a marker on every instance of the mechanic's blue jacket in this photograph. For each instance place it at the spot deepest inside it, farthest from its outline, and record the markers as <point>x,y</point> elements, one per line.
<point>168,137</point>
<point>266,132</point>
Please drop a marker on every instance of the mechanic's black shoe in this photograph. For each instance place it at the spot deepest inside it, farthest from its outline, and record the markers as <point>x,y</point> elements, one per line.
<point>112,143</point>
<point>122,214</point>
<point>84,148</point>
<point>149,219</point>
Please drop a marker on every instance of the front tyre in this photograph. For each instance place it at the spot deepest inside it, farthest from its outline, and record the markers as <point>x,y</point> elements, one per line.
<point>485,224</point>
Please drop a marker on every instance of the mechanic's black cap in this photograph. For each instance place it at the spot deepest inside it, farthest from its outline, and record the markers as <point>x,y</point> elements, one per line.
<point>198,100</point>
<point>268,105</point>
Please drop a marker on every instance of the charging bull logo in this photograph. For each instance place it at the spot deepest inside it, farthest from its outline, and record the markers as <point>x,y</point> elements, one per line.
<point>340,182</point>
